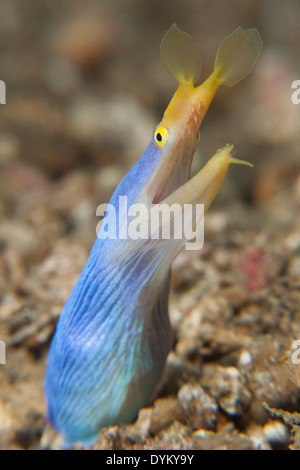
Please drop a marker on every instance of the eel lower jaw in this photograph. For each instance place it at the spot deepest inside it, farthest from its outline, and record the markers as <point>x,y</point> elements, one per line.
<point>204,186</point>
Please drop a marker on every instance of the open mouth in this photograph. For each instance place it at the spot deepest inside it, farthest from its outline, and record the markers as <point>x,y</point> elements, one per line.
<point>172,179</point>
<point>160,195</point>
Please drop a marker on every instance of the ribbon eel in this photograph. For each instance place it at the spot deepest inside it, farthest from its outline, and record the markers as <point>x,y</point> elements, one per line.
<point>113,335</point>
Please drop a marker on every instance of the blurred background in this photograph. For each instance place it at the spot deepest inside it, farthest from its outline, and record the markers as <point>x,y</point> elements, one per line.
<point>84,90</point>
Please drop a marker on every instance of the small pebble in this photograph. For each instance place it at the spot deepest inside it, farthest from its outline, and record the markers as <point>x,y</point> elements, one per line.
<point>276,432</point>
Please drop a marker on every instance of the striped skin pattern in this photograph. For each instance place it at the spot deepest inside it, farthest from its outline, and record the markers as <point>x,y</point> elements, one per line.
<point>102,351</point>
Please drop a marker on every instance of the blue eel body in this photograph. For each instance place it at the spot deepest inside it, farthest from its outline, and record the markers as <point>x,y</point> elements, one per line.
<point>113,335</point>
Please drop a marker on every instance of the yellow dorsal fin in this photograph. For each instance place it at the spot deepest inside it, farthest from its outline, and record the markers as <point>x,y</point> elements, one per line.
<point>180,55</point>
<point>237,54</point>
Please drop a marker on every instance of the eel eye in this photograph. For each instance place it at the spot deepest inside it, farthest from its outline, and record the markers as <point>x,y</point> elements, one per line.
<point>161,136</point>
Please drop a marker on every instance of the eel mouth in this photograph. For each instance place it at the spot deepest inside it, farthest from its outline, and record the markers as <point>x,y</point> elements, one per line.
<point>164,191</point>
<point>161,194</point>
<point>172,181</point>
<point>175,173</point>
